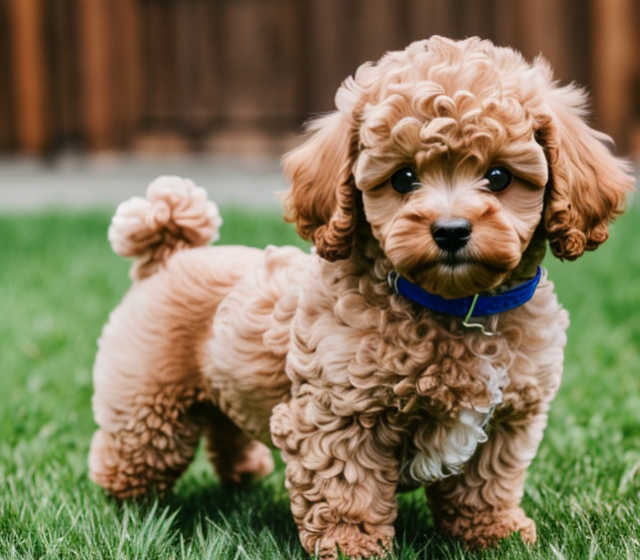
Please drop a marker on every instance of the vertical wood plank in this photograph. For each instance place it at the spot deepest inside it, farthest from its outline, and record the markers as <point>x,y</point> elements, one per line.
<point>473,18</point>
<point>578,45</point>
<point>248,89</point>
<point>99,113</point>
<point>64,57</point>
<point>378,28</point>
<point>206,81</point>
<point>435,17</point>
<point>286,59</point>
<point>188,62</point>
<point>634,132</point>
<point>162,121</point>
<point>161,92</point>
<point>507,25</point>
<point>199,47</point>
<point>544,30</point>
<point>29,76</point>
<point>330,51</point>
<point>7,121</point>
<point>259,38</point>
<point>613,33</point>
<point>126,69</point>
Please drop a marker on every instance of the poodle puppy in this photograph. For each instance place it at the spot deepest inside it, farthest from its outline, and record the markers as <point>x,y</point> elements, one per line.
<point>420,344</point>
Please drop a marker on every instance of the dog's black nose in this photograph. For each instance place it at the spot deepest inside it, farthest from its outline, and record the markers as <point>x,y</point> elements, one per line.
<point>452,234</point>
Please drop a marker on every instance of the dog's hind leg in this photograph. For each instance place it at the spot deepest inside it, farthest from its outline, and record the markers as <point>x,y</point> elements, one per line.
<point>235,455</point>
<point>153,445</point>
<point>149,388</point>
<point>147,381</point>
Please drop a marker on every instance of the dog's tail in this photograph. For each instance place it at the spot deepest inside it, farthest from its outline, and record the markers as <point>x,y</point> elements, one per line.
<point>175,215</point>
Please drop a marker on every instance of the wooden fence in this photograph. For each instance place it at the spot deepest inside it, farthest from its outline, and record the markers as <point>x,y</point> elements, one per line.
<point>227,74</point>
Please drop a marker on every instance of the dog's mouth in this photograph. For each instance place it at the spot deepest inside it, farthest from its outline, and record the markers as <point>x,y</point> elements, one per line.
<point>455,276</point>
<point>455,262</point>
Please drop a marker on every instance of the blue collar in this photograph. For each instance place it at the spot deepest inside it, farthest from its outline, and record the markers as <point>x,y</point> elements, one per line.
<point>470,306</point>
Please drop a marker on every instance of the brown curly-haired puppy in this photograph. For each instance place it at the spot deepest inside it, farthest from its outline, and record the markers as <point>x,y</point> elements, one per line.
<point>443,173</point>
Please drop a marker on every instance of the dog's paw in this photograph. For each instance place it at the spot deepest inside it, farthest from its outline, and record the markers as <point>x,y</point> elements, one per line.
<point>256,461</point>
<point>350,542</point>
<point>487,528</point>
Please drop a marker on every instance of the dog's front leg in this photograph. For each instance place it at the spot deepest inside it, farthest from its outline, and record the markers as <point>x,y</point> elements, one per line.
<point>482,505</point>
<point>341,477</point>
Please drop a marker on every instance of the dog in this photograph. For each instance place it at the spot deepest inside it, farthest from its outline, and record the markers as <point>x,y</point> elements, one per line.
<point>420,344</point>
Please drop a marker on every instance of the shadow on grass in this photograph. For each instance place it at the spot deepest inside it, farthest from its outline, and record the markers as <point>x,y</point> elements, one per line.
<point>251,509</point>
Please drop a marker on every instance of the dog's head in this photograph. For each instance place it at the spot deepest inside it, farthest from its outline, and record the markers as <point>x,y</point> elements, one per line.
<point>460,152</point>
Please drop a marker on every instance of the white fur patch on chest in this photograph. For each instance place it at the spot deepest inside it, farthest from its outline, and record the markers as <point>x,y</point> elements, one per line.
<point>442,450</point>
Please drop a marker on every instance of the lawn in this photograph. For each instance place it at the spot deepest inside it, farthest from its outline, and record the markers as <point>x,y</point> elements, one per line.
<point>58,282</point>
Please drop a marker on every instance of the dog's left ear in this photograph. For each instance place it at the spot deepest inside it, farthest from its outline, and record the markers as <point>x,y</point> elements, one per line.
<point>322,197</point>
<point>587,184</point>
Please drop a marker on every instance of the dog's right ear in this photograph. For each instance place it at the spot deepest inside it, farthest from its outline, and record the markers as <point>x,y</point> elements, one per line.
<point>322,198</point>
<point>588,184</point>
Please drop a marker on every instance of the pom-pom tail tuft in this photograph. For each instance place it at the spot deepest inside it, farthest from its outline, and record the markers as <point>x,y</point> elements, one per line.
<point>175,215</point>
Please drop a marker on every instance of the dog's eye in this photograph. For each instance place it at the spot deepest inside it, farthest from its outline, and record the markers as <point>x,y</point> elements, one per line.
<point>404,180</point>
<point>499,178</point>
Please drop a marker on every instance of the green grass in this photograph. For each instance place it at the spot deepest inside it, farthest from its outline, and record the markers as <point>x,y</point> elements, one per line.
<point>58,282</point>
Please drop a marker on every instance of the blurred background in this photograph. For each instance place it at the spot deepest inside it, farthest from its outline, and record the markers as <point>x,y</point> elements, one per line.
<point>122,90</point>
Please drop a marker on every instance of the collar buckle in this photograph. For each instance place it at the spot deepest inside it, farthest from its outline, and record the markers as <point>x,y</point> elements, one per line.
<point>392,280</point>
<point>468,325</point>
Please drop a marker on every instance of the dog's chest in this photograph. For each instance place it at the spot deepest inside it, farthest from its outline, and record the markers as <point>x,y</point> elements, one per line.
<point>446,426</point>
<point>441,387</point>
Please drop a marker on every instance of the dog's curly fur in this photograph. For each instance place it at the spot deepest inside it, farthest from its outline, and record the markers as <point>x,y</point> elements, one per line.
<point>364,392</point>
